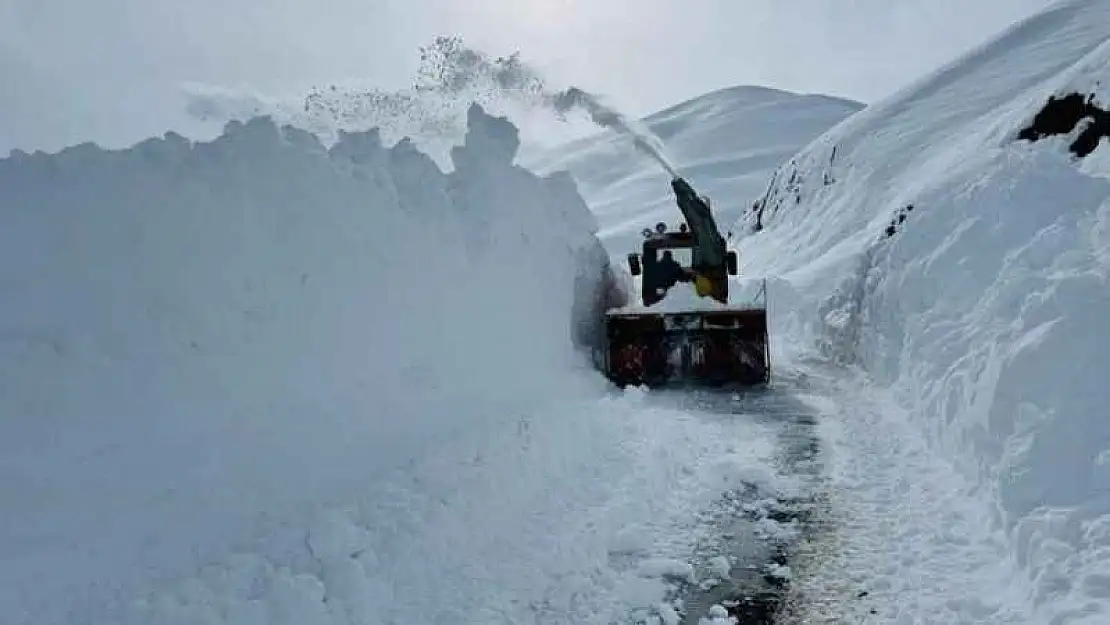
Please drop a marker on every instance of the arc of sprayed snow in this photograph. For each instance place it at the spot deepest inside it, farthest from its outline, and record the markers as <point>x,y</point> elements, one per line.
<point>449,71</point>
<point>609,118</point>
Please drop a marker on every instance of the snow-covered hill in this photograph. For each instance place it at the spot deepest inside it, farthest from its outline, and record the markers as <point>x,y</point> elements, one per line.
<point>948,243</point>
<point>728,142</point>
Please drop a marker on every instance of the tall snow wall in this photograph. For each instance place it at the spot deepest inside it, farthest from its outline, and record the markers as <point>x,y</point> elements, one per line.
<point>962,260</point>
<point>197,336</point>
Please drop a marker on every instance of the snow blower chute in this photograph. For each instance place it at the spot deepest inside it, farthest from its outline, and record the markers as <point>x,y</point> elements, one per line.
<point>684,331</point>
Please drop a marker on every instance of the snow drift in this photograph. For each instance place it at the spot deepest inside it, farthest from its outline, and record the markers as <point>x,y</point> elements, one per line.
<point>962,259</point>
<point>207,344</point>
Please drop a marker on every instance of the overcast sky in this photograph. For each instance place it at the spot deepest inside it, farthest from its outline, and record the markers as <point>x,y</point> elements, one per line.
<point>109,70</point>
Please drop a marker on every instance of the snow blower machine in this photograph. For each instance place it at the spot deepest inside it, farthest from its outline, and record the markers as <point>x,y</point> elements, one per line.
<point>683,331</point>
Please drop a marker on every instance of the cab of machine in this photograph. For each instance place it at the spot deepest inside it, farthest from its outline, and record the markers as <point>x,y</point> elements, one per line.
<point>680,243</point>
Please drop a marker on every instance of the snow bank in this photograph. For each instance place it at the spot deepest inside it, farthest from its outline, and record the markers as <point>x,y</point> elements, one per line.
<point>205,346</point>
<point>967,270</point>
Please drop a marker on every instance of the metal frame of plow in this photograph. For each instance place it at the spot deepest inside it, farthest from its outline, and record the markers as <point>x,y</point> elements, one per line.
<point>714,348</point>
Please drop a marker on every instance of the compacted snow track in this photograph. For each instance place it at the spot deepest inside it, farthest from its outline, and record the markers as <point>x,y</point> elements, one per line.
<point>743,561</point>
<point>863,523</point>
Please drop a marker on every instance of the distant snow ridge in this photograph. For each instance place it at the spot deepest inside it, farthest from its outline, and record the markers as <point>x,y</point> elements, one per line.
<point>203,344</point>
<point>953,241</point>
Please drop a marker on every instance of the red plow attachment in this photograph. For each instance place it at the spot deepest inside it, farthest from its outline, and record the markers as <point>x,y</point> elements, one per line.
<point>699,348</point>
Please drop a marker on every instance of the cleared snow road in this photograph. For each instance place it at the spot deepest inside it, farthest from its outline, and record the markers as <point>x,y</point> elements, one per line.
<point>743,562</point>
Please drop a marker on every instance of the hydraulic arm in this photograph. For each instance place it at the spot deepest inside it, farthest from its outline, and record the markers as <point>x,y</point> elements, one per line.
<point>709,245</point>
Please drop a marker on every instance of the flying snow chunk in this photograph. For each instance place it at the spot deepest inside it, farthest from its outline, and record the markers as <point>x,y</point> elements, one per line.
<point>779,570</point>
<point>667,569</point>
<point>669,614</point>
<point>718,615</point>
<point>720,566</point>
<point>334,537</point>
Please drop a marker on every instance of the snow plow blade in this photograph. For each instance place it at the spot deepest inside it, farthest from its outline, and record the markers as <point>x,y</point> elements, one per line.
<point>718,348</point>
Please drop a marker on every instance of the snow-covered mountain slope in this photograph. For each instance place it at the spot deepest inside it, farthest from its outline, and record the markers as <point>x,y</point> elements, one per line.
<point>728,142</point>
<point>967,268</point>
<point>255,380</point>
